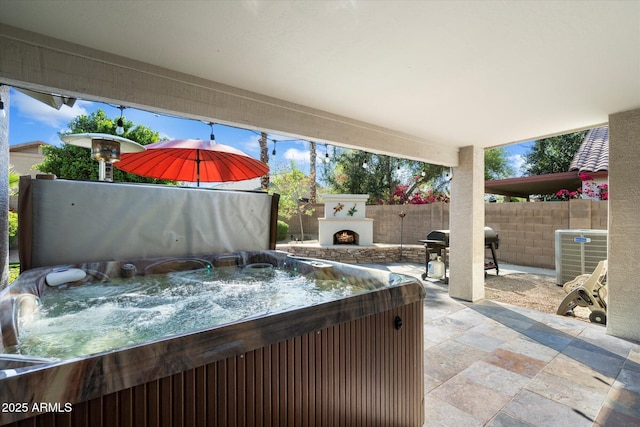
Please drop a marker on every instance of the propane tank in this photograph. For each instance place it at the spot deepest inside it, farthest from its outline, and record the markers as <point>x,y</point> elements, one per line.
<point>435,268</point>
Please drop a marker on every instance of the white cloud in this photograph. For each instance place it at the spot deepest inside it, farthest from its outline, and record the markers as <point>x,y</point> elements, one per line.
<point>517,162</point>
<point>297,155</point>
<point>47,115</point>
<point>251,145</point>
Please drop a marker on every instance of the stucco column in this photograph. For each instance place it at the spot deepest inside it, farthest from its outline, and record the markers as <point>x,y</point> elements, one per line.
<point>623,275</point>
<point>466,224</point>
<point>4,188</point>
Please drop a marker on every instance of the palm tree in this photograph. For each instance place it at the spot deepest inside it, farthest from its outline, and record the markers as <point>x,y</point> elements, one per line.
<point>264,157</point>
<point>312,172</point>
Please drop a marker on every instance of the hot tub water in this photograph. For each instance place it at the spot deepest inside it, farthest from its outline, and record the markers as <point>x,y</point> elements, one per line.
<point>92,318</point>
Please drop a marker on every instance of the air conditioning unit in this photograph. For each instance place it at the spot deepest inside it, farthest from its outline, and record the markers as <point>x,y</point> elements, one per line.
<point>578,252</point>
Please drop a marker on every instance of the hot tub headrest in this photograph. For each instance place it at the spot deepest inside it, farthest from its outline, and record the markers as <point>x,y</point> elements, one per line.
<point>64,275</point>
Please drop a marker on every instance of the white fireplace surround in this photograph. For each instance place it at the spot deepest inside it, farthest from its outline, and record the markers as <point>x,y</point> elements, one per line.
<point>345,212</point>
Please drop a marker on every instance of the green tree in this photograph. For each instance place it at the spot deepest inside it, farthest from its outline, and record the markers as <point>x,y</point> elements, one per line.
<point>71,162</point>
<point>292,184</point>
<point>553,155</point>
<point>358,172</point>
<point>496,164</point>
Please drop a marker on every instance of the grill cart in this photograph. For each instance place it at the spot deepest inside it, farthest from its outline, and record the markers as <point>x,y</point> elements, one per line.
<point>437,244</point>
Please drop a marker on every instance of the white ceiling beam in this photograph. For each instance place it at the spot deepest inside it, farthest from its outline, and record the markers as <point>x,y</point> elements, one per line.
<point>34,61</point>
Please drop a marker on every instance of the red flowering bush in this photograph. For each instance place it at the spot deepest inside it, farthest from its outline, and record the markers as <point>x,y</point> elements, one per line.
<point>592,189</point>
<point>565,194</point>
<point>419,197</point>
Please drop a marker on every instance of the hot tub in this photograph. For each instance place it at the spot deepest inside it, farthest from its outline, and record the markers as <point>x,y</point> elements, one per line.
<point>355,358</point>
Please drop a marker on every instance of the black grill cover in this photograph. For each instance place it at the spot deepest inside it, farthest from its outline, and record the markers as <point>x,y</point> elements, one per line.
<point>490,236</point>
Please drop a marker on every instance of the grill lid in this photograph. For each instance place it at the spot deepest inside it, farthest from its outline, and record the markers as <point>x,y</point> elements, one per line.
<point>490,236</point>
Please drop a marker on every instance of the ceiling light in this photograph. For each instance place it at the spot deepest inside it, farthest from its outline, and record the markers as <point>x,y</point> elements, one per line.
<point>273,153</point>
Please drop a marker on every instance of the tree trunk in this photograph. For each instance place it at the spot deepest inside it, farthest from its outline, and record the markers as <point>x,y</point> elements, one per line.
<point>389,176</point>
<point>312,172</point>
<point>264,157</point>
<point>300,208</point>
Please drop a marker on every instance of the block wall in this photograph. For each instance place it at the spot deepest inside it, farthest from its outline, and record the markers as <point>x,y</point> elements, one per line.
<point>526,230</point>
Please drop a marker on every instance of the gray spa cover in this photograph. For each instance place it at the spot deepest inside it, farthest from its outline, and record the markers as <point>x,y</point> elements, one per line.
<point>78,221</point>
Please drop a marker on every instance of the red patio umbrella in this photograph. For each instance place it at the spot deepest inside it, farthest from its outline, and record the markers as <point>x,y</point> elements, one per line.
<point>192,160</point>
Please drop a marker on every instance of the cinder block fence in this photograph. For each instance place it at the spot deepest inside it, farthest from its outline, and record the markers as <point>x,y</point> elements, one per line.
<point>526,230</point>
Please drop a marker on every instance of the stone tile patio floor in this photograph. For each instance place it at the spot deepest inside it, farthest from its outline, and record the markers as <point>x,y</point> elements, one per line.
<point>493,364</point>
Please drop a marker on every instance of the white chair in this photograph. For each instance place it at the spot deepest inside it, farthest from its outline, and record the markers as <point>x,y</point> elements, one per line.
<point>587,290</point>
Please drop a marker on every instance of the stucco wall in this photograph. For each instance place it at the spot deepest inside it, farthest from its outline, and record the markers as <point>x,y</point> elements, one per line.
<point>23,162</point>
<point>624,235</point>
<point>526,230</point>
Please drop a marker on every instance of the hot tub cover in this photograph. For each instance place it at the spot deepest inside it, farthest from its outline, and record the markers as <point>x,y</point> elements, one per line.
<point>66,222</point>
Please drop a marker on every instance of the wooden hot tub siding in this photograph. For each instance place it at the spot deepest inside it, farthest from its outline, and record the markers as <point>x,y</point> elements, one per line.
<point>362,372</point>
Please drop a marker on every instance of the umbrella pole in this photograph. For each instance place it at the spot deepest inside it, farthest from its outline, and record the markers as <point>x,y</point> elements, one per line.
<point>198,166</point>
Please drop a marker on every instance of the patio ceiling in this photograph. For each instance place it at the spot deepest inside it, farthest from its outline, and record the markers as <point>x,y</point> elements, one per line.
<point>451,74</point>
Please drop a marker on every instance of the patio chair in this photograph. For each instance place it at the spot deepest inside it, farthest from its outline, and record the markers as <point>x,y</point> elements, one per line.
<point>588,280</point>
<point>587,290</point>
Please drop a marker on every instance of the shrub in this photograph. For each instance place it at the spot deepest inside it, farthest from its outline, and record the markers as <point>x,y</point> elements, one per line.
<point>14,271</point>
<point>13,228</point>
<point>283,228</point>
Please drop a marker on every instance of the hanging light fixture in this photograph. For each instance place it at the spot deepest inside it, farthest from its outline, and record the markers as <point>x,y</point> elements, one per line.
<point>212,137</point>
<point>3,113</point>
<point>364,164</point>
<point>120,124</point>
<point>326,152</point>
<point>273,153</point>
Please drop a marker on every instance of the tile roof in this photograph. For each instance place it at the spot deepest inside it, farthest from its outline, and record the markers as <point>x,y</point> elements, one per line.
<point>593,154</point>
<point>27,146</point>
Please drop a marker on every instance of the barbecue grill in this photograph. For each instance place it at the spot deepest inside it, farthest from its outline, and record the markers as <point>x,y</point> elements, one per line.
<point>437,243</point>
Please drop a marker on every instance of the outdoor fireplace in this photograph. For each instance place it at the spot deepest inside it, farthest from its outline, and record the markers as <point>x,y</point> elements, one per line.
<point>344,221</point>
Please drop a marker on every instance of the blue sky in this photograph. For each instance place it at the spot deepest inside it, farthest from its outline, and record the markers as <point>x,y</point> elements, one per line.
<point>516,154</point>
<point>31,120</point>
